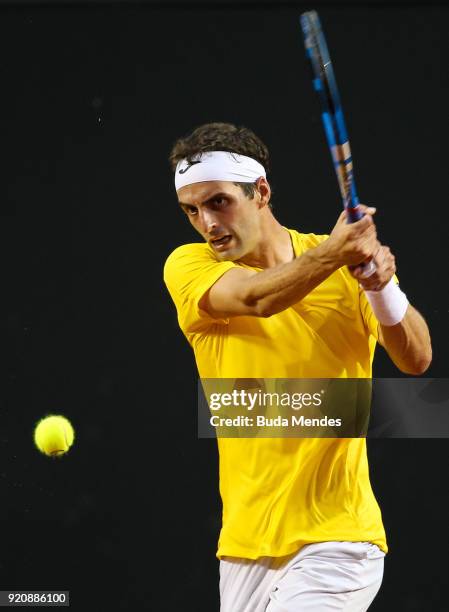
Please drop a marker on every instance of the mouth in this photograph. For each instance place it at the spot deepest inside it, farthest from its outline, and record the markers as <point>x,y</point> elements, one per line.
<point>221,243</point>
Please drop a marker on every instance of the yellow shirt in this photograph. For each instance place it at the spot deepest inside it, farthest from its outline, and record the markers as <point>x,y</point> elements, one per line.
<point>279,494</point>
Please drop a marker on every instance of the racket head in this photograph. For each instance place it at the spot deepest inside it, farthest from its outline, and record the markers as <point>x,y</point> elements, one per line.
<point>325,85</point>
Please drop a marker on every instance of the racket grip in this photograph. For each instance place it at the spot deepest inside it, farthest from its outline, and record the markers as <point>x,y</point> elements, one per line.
<point>354,213</point>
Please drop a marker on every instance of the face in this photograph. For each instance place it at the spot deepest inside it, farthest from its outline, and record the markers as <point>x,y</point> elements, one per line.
<point>224,216</point>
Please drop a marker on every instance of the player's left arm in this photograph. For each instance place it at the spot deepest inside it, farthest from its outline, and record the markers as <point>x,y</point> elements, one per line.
<point>407,341</point>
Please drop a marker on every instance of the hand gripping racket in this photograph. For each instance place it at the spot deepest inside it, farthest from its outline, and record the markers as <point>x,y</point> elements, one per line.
<point>332,115</point>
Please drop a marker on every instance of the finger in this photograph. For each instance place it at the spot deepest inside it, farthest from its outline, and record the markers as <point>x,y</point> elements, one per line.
<point>385,258</point>
<point>368,210</point>
<point>374,248</point>
<point>358,273</point>
<point>365,222</point>
<point>380,257</point>
<point>342,217</point>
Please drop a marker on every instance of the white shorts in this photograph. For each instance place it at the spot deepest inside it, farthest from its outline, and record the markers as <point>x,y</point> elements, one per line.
<point>325,577</point>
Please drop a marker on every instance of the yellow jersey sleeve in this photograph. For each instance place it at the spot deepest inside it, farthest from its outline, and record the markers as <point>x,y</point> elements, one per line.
<point>189,272</point>
<point>371,323</point>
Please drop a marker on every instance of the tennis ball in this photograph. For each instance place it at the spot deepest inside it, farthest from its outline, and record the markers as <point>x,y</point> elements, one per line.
<point>54,435</point>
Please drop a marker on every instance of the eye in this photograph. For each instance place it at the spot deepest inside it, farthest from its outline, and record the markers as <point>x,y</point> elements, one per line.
<point>191,210</point>
<point>220,201</point>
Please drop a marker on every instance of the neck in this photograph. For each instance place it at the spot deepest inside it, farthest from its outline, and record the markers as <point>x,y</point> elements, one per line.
<point>274,248</point>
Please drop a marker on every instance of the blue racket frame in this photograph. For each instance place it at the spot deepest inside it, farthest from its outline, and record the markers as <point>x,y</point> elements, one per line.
<point>332,114</point>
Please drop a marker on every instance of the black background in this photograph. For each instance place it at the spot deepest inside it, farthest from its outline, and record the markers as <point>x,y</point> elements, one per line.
<point>92,98</point>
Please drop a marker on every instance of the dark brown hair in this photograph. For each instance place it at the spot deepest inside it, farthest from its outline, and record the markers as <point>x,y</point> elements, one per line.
<point>222,137</point>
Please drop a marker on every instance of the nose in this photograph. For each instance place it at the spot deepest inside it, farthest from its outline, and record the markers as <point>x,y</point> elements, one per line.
<point>208,221</point>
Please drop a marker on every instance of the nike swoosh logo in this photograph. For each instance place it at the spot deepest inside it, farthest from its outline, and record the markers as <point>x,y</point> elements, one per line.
<point>185,169</point>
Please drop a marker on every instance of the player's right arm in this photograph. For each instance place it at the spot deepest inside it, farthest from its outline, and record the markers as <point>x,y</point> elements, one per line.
<point>241,291</point>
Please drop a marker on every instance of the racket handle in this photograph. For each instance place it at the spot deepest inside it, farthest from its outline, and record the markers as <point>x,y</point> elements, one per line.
<point>354,213</point>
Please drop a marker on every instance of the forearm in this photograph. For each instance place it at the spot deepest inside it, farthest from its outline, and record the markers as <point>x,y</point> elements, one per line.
<point>275,289</point>
<point>408,343</point>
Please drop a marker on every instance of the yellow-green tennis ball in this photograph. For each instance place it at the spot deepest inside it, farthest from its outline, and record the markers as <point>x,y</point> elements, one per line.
<point>54,435</point>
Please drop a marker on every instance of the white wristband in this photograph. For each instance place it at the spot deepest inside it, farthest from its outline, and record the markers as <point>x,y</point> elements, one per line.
<point>389,304</point>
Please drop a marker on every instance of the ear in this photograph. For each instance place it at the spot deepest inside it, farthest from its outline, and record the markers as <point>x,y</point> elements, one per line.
<point>263,192</point>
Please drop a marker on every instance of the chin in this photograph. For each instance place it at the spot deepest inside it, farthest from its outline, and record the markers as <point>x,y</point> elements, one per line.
<point>233,254</point>
<point>230,256</point>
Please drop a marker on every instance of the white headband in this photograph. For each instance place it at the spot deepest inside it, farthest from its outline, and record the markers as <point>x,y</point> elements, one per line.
<point>218,166</point>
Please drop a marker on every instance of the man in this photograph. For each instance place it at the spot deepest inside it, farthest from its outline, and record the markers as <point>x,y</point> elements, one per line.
<point>301,527</point>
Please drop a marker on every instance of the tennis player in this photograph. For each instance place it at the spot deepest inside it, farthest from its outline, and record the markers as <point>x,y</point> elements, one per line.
<point>301,527</point>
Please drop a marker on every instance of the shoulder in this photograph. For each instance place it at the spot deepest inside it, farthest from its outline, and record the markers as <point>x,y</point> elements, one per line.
<point>303,242</point>
<point>196,251</point>
<point>189,271</point>
<point>193,249</point>
<point>191,267</point>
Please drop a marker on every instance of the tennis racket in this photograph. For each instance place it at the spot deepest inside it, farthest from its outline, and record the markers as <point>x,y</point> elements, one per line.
<point>332,115</point>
